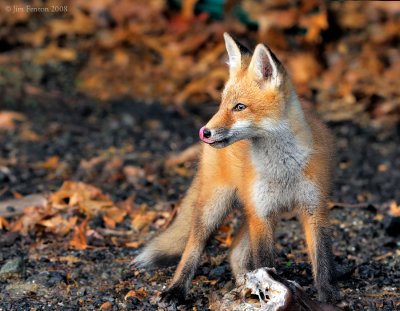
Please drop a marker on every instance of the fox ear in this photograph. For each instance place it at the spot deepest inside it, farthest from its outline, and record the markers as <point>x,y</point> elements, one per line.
<point>235,58</point>
<point>264,64</point>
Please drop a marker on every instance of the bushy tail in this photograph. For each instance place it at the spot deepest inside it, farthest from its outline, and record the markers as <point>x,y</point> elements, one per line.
<point>167,248</point>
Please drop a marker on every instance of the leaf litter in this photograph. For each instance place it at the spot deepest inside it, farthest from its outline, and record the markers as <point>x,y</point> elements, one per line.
<point>344,56</point>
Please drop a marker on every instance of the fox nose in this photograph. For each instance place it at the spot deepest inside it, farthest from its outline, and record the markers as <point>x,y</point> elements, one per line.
<point>206,133</point>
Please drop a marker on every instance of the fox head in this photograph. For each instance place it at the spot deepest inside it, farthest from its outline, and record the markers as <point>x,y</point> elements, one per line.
<point>254,98</point>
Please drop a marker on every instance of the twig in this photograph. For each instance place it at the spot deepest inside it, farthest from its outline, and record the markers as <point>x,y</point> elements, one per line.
<point>106,231</point>
<point>172,216</point>
<point>15,207</point>
<point>350,205</point>
<point>189,154</point>
<point>4,190</point>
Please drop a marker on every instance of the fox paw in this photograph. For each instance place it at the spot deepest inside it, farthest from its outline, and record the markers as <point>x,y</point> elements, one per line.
<point>175,293</point>
<point>329,294</point>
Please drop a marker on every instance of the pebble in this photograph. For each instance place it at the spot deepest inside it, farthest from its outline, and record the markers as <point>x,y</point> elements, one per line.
<point>13,268</point>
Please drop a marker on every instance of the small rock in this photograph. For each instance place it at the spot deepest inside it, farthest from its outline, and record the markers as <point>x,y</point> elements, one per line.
<point>48,278</point>
<point>8,238</point>
<point>218,272</point>
<point>12,268</point>
<point>82,291</point>
<point>22,289</point>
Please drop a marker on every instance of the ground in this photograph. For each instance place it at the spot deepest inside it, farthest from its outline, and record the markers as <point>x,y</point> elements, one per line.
<point>51,275</point>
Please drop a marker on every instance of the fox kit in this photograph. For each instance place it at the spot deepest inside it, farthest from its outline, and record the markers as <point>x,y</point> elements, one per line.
<point>263,150</point>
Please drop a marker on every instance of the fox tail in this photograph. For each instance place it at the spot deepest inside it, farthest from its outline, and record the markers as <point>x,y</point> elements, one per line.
<point>167,248</point>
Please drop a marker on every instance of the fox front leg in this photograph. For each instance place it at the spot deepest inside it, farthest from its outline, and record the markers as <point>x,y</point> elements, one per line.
<point>261,233</point>
<point>208,214</point>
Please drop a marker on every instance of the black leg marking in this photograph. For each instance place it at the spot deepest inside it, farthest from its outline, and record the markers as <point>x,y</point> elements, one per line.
<point>325,269</point>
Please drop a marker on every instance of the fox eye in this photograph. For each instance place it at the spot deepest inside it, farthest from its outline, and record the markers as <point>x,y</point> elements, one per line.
<point>239,107</point>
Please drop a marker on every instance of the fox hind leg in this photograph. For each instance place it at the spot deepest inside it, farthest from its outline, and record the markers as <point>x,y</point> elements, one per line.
<point>208,214</point>
<point>318,237</point>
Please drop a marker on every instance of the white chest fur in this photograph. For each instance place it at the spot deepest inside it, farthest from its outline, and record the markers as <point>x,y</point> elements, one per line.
<point>279,160</point>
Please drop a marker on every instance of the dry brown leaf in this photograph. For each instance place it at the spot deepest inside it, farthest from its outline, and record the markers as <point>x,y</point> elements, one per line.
<point>80,24</point>
<point>140,294</point>
<point>20,204</point>
<point>314,24</point>
<point>134,244</point>
<point>133,173</point>
<point>303,67</point>
<point>106,306</point>
<point>92,207</point>
<point>189,154</point>
<point>8,119</point>
<point>394,209</point>
<point>36,38</point>
<point>352,15</point>
<point>116,214</point>
<point>17,195</point>
<point>69,259</point>
<point>114,164</point>
<point>109,222</point>
<point>91,163</point>
<point>73,193</point>
<point>4,225</point>
<point>50,164</point>
<point>78,240</point>
<point>54,53</point>
<point>30,218</point>
<point>203,279</point>
<point>143,219</point>
<point>28,134</point>
<point>59,225</point>
<point>227,231</point>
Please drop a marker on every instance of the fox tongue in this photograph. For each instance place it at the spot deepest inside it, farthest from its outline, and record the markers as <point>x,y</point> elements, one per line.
<point>206,140</point>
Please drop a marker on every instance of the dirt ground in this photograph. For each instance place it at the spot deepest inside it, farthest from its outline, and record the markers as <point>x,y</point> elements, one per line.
<point>51,276</point>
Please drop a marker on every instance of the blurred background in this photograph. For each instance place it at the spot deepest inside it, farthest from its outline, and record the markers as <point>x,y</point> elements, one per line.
<point>100,106</point>
<point>343,55</point>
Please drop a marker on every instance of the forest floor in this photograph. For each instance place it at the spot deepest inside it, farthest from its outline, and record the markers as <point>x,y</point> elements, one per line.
<point>45,273</point>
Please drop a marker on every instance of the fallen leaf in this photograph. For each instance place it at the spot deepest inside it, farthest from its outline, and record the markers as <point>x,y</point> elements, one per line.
<point>134,244</point>
<point>69,259</point>
<point>78,240</point>
<point>226,237</point>
<point>50,164</point>
<point>303,67</point>
<point>28,134</point>
<point>106,306</point>
<point>315,24</point>
<point>189,154</point>
<point>109,222</point>
<point>14,207</point>
<point>4,225</point>
<point>54,53</point>
<point>59,224</point>
<point>394,209</point>
<point>91,163</point>
<point>139,294</point>
<point>87,197</point>
<point>115,213</point>
<point>133,173</point>
<point>9,119</point>
<point>92,207</point>
<point>142,220</point>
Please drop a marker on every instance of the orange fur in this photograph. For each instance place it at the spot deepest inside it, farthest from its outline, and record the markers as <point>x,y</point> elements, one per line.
<point>273,157</point>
